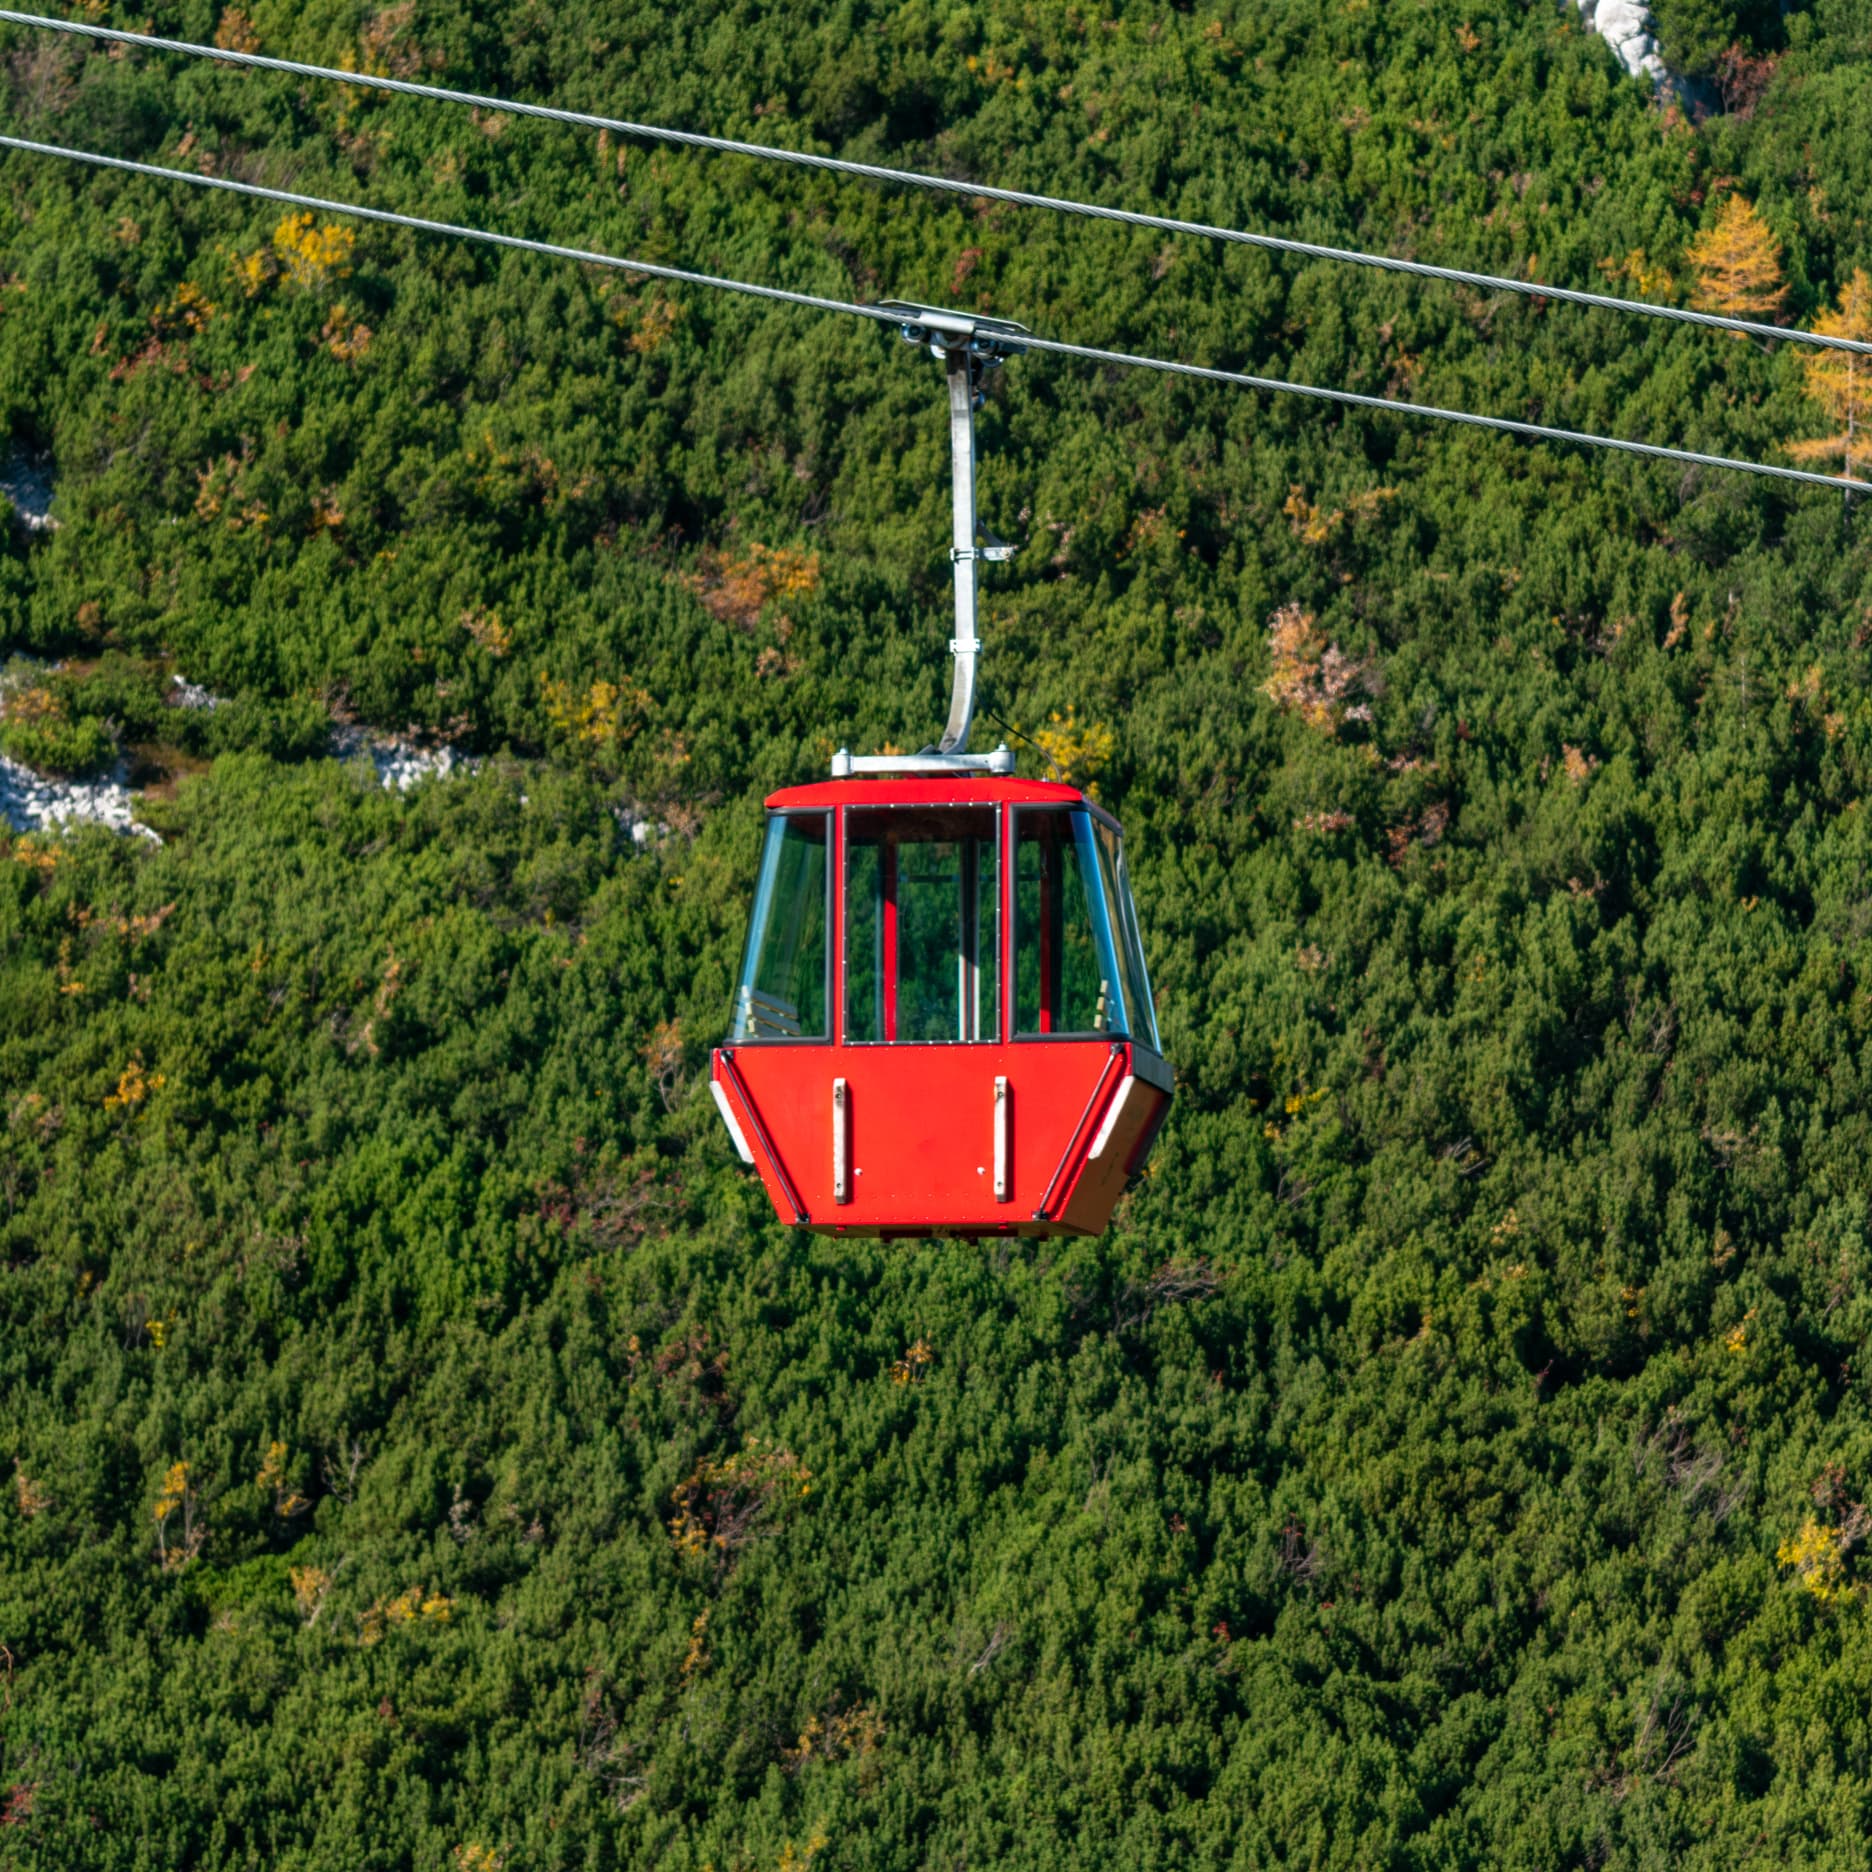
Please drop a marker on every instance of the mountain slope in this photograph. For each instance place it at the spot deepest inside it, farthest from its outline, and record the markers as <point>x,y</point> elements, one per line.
<point>1453,1453</point>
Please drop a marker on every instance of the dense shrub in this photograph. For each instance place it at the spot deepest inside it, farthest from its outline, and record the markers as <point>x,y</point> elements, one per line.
<point>56,744</point>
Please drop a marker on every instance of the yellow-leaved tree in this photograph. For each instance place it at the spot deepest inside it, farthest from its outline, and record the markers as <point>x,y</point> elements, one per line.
<point>1841,382</point>
<point>1738,264</point>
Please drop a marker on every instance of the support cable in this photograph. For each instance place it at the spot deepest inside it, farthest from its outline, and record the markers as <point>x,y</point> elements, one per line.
<point>914,178</point>
<point>292,199</point>
<point>881,315</point>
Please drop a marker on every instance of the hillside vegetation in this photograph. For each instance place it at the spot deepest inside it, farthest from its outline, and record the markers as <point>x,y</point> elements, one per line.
<point>426,1449</point>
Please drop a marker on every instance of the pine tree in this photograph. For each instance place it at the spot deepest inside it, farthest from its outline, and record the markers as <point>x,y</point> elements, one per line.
<point>1738,264</point>
<point>1841,382</point>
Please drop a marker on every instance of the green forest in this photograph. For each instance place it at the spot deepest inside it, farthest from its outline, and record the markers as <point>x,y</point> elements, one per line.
<point>421,1446</point>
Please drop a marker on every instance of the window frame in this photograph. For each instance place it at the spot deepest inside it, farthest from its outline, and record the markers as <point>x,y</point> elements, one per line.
<point>1101,915</point>
<point>995,1017</point>
<point>833,933</point>
<point>1127,938</point>
<point>1128,907</point>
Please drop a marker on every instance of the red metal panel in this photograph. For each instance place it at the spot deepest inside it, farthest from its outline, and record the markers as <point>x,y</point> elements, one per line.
<point>921,1133</point>
<point>1079,1140</point>
<point>887,924</point>
<point>1005,838</point>
<point>767,1159</point>
<point>1049,935</point>
<point>1088,1204</point>
<point>835,1015</point>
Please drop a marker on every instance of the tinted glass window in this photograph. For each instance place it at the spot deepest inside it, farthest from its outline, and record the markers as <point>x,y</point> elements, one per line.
<point>1067,977</point>
<point>922,925</point>
<point>782,995</point>
<point>1122,913</point>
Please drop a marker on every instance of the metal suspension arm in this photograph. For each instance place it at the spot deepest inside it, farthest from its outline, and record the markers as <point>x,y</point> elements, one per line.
<point>965,645</point>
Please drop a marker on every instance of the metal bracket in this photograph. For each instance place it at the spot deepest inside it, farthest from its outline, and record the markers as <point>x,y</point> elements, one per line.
<point>847,765</point>
<point>991,338</point>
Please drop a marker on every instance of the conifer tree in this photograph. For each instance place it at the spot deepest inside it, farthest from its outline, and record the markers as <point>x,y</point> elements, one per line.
<point>1841,382</point>
<point>1738,264</point>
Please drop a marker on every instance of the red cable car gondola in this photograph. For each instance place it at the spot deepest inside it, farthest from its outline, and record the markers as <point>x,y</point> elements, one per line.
<point>944,1022</point>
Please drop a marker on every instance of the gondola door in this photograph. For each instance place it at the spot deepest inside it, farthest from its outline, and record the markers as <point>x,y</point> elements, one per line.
<point>921,953</point>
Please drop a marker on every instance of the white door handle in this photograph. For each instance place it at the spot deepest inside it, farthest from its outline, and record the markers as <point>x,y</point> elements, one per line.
<point>841,1143</point>
<point>1002,1098</point>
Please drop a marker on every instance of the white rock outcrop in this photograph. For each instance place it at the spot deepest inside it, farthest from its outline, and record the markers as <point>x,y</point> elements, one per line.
<point>26,481</point>
<point>189,695</point>
<point>31,802</point>
<point>399,762</point>
<point>639,830</point>
<point>1626,27</point>
<point>36,802</point>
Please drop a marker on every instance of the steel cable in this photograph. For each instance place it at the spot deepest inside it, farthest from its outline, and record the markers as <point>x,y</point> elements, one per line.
<point>913,178</point>
<point>880,315</point>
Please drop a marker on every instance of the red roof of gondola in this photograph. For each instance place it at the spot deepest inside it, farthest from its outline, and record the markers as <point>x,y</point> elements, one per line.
<point>929,790</point>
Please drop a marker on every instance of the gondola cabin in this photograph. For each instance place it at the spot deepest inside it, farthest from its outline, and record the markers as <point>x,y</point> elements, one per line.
<point>943,1024</point>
